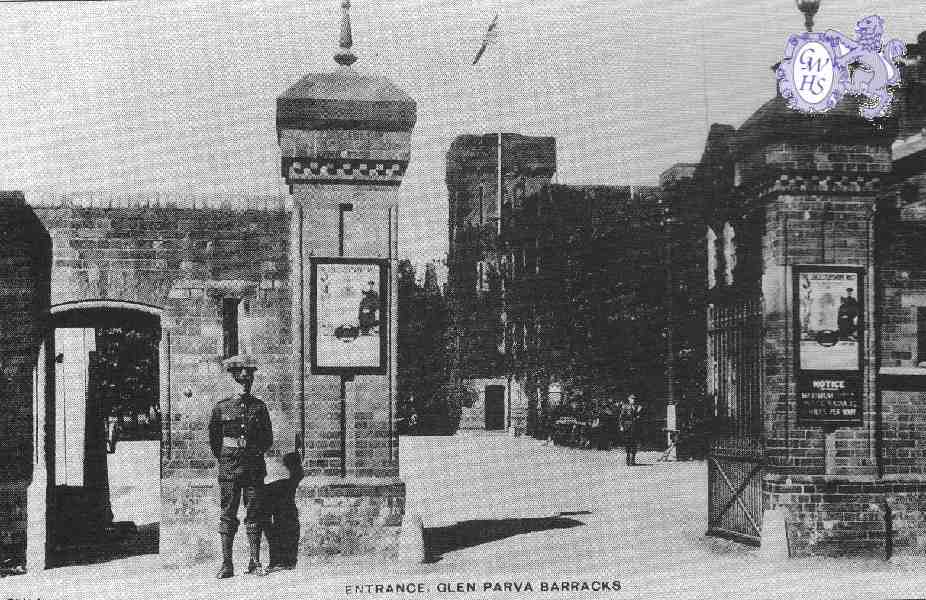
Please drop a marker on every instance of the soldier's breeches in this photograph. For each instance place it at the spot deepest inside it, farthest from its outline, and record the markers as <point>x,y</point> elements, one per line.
<point>232,493</point>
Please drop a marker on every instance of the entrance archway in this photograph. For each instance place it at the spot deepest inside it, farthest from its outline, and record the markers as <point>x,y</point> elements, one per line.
<point>106,368</point>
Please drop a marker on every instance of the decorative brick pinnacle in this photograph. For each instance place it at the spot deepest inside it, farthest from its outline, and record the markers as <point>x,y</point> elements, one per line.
<point>345,57</point>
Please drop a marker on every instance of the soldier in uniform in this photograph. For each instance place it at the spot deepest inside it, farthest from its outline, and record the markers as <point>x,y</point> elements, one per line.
<point>240,433</point>
<point>368,316</point>
<point>628,417</point>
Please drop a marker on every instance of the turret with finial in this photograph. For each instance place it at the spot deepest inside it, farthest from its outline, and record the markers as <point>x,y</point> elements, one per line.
<point>345,57</point>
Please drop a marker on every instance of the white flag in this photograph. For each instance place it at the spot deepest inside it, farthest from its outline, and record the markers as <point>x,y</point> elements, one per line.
<point>490,37</point>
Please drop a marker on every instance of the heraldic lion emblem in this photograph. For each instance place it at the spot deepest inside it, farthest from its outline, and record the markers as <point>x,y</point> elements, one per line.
<point>874,68</point>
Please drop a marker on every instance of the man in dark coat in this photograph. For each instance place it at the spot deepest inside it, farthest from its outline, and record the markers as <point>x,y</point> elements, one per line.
<point>628,418</point>
<point>239,434</point>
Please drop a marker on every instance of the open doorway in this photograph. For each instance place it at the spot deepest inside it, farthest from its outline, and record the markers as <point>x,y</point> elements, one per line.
<point>105,496</point>
<point>495,407</point>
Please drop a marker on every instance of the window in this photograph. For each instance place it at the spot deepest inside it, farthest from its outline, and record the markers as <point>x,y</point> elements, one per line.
<point>711,259</point>
<point>482,276</point>
<point>519,194</point>
<point>482,210</point>
<point>530,260</point>
<point>921,335</point>
<point>230,326</point>
<point>537,255</point>
<point>503,333</point>
<point>729,253</point>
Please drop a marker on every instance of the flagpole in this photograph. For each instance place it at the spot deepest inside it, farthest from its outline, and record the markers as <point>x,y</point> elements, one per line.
<point>499,192</point>
<point>501,68</point>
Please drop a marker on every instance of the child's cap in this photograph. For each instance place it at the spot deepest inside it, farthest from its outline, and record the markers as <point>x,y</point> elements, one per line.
<point>292,460</point>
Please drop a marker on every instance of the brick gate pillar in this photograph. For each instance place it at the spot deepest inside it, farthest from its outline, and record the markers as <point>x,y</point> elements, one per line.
<point>25,263</point>
<point>816,179</point>
<point>345,141</point>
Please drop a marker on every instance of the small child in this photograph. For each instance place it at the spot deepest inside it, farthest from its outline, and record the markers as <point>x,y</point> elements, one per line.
<point>283,516</point>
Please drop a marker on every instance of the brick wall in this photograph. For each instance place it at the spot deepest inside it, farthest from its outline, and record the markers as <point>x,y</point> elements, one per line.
<point>839,517</point>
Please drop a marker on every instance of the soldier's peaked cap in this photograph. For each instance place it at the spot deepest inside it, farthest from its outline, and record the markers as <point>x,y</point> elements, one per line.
<point>240,361</point>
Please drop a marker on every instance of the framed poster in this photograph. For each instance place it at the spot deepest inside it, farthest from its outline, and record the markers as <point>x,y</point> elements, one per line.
<point>349,315</point>
<point>829,338</point>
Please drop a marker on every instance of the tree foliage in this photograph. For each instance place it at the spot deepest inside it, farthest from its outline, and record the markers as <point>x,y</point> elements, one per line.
<point>424,357</point>
<point>597,306</point>
<point>125,374</point>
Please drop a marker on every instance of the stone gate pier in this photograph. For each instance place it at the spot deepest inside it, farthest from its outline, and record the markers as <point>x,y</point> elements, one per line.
<point>213,277</point>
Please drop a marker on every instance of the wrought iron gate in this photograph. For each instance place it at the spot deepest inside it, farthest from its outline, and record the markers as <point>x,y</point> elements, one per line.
<point>734,381</point>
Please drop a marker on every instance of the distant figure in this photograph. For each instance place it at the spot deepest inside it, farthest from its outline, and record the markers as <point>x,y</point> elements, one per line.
<point>283,516</point>
<point>112,433</point>
<point>413,423</point>
<point>628,418</point>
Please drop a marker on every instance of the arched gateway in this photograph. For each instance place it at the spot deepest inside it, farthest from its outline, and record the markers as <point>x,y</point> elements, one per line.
<point>210,278</point>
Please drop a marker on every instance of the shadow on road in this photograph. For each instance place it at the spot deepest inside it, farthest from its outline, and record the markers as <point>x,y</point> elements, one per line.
<point>106,545</point>
<point>465,534</point>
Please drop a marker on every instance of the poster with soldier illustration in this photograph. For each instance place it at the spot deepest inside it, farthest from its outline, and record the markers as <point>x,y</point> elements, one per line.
<point>349,330</point>
<point>830,313</point>
<point>829,337</point>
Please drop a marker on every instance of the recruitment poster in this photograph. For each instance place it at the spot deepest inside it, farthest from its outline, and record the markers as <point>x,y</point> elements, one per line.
<point>829,337</point>
<point>349,328</point>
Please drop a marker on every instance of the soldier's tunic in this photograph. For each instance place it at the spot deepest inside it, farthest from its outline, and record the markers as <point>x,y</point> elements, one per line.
<point>240,433</point>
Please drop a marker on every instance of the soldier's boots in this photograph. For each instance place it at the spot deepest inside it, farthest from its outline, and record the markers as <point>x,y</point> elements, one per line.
<point>254,566</point>
<point>226,570</point>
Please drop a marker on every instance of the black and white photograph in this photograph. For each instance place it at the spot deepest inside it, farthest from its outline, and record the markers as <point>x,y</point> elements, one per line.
<point>401,299</point>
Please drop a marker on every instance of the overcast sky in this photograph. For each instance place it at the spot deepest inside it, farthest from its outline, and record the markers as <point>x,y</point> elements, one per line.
<point>180,96</point>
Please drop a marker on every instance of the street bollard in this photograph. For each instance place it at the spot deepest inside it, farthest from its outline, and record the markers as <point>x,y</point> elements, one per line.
<point>411,539</point>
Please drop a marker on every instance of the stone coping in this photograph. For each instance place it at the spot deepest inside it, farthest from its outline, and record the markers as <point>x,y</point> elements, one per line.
<point>912,371</point>
<point>157,200</point>
<point>872,479</point>
<point>910,145</point>
<point>352,483</point>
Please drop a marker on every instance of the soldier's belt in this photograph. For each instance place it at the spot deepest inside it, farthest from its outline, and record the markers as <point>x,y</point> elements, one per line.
<point>234,442</point>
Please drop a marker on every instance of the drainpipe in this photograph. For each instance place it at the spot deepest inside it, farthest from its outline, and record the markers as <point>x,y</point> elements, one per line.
<point>300,442</point>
